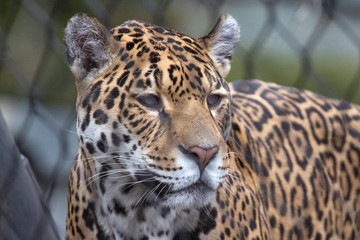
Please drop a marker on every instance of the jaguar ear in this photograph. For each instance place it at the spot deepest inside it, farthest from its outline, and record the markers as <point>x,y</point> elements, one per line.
<point>221,41</point>
<point>89,45</point>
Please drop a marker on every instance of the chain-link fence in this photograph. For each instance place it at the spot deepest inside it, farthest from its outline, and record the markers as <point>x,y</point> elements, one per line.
<point>313,44</point>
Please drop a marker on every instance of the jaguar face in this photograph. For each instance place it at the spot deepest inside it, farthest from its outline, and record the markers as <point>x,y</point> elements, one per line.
<point>154,108</point>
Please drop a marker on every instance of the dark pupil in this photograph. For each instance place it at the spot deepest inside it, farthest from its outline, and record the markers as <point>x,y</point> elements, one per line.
<point>213,99</point>
<point>150,100</point>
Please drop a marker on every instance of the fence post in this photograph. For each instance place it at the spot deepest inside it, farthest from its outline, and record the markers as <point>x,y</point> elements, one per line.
<point>23,212</point>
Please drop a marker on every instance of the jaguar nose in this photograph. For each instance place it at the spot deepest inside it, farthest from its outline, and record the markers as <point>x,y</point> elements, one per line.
<point>200,155</point>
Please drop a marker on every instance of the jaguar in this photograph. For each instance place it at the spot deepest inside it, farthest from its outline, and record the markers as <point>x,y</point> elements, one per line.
<point>169,150</point>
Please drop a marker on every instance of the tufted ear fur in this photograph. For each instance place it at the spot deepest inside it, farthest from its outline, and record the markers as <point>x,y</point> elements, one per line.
<point>89,45</point>
<point>221,41</point>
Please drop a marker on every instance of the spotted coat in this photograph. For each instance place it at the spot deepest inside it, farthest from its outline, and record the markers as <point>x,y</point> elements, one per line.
<point>169,150</point>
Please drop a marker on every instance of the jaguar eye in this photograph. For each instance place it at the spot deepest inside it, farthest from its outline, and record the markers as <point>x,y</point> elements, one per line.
<point>213,100</point>
<point>150,101</point>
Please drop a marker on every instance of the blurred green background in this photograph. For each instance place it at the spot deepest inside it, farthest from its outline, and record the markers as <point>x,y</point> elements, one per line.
<point>312,44</point>
<point>275,37</point>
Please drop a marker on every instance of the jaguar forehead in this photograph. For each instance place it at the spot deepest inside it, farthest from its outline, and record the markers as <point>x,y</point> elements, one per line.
<point>186,57</point>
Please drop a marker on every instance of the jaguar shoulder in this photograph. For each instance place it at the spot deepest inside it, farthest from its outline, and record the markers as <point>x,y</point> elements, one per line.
<point>169,150</point>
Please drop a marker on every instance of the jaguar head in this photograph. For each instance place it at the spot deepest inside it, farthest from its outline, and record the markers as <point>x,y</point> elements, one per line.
<point>153,106</point>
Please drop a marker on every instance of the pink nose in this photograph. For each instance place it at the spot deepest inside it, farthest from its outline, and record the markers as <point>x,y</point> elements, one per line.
<point>204,155</point>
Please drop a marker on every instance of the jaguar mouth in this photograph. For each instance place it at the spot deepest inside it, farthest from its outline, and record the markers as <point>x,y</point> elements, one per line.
<point>166,191</point>
<point>196,195</point>
<point>158,188</point>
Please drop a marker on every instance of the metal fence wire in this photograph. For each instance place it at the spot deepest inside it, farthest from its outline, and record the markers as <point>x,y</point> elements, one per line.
<point>313,44</point>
